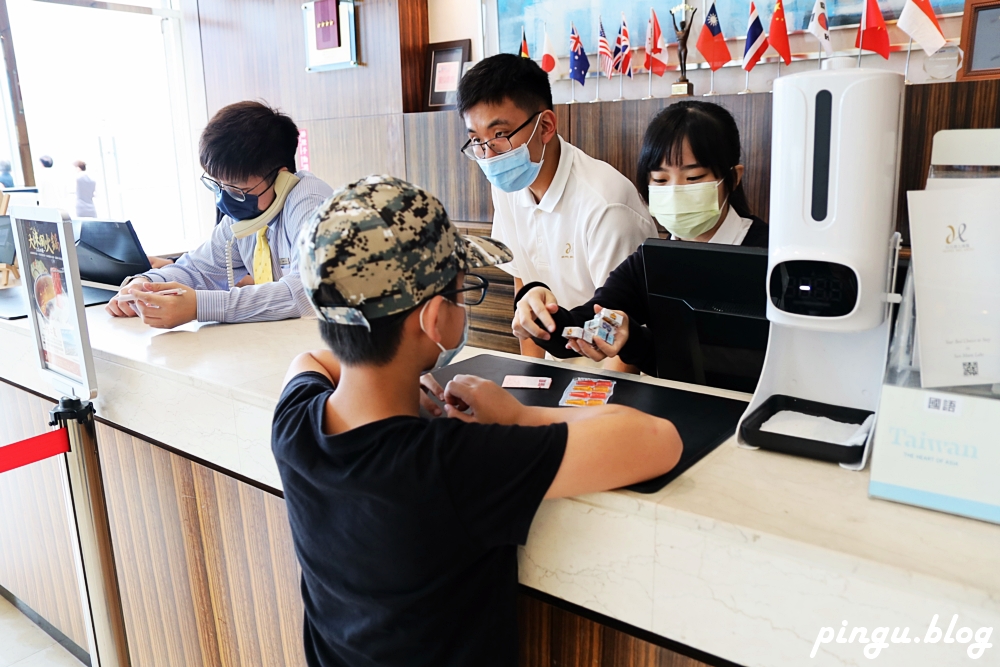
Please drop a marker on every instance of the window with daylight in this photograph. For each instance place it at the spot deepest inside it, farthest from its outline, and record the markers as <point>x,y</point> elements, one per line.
<point>105,85</point>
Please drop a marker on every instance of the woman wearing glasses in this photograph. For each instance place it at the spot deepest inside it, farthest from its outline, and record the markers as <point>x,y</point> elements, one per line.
<point>248,270</point>
<point>568,219</point>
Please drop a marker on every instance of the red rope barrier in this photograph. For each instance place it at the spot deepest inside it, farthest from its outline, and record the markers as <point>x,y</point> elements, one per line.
<point>34,449</point>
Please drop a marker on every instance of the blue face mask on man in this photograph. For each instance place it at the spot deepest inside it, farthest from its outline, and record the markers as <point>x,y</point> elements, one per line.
<point>513,171</point>
<point>236,209</point>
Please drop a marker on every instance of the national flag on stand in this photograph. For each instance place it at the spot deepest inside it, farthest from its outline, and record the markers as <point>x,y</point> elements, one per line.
<point>579,63</point>
<point>872,34</point>
<point>548,55</point>
<point>654,46</point>
<point>756,40</point>
<point>711,42</point>
<point>778,34</point>
<point>918,21</point>
<point>605,59</point>
<point>819,26</point>
<point>622,55</point>
<point>524,45</point>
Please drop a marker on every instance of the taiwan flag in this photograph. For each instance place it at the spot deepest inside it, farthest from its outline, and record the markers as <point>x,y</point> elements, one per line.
<point>711,43</point>
<point>872,34</point>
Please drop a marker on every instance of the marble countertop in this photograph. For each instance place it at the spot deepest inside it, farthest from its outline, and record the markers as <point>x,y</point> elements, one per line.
<point>746,556</point>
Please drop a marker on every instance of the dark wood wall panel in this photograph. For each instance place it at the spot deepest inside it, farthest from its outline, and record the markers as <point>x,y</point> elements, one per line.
<point>37,551</point>
<point>612,131</point>
<point>553,637</point>
<point>414,36</point>
<point>931,108</point>
<point>205,563</point>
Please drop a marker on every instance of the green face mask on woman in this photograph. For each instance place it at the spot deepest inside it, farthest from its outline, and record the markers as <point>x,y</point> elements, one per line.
<point>686,211</point>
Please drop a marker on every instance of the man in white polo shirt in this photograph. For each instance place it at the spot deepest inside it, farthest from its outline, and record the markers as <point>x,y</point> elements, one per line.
<point>568,219</point>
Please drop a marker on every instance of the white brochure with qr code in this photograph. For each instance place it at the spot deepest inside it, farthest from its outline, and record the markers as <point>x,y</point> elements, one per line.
<point>955,235</point>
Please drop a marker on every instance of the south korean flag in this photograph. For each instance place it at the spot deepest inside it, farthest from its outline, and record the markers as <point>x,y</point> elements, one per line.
<point>819,27</point>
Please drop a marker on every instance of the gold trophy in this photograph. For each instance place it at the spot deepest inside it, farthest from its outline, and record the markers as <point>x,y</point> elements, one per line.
<point>683,87</point>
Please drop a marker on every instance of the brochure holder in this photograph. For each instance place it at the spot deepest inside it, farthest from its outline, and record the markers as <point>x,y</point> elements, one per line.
<point>936,448</point>
<point>51,279</point>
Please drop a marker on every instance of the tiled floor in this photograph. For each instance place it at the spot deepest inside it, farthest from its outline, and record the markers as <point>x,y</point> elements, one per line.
<point>23,644</point>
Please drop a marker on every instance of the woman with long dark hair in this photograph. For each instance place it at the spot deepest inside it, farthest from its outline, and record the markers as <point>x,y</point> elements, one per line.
<point>691,177</point>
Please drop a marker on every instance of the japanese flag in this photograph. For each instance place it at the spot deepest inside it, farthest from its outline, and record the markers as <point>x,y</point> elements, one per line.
<point>548,55</point>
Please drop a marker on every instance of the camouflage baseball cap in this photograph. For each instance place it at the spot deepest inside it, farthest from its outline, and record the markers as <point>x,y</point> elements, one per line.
<point>381,246</point>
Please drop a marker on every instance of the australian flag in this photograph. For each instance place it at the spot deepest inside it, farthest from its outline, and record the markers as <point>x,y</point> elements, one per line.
<point>579,63</point>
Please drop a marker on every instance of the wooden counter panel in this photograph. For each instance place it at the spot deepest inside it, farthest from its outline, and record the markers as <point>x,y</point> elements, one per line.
<point>37,561</point>
<point>205,562</point>
<point>553,637</point>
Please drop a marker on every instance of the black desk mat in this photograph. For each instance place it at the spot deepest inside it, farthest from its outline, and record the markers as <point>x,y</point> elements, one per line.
<point>14,303</point>
<point>704,422</point>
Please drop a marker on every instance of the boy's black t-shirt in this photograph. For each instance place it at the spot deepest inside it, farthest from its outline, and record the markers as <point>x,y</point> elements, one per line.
<point>407,531</point>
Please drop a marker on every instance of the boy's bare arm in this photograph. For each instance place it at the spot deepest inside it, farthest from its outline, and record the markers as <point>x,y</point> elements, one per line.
<point>319,361</point>
<point>607,447</point>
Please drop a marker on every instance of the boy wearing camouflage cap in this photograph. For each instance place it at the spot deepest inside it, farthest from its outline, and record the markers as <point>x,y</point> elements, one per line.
<point>407,528</point>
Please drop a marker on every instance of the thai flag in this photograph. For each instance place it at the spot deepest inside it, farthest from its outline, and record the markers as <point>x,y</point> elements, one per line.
<point>579,63</point>
<point>756,40</point>
<point>605,59</point>
<point>623,54</point>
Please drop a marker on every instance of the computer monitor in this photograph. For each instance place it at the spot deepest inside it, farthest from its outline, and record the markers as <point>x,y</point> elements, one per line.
<point>708,312</point>
<point>109,252</point>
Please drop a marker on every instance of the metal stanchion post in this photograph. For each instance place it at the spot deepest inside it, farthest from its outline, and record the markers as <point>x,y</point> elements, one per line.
<point>88,510</point>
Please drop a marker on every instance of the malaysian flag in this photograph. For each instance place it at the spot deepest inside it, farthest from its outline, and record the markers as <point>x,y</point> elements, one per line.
<point>623,54</point>
<point>605,61</point>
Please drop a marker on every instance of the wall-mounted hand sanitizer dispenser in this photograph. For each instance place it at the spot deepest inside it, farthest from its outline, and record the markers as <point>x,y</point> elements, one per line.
<point>834,167</point>
<point>831,262</point>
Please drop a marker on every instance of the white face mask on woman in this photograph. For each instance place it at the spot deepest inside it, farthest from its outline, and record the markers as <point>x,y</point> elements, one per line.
<point>686,211</point>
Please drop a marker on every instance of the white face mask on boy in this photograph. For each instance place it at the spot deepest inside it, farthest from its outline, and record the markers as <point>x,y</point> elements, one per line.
<point>446,356</point>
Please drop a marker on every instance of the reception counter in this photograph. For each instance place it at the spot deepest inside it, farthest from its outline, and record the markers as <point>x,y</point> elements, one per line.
<point>741,560</point>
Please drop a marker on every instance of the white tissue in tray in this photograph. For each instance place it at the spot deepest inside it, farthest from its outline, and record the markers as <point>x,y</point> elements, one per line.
<point>822,429</point>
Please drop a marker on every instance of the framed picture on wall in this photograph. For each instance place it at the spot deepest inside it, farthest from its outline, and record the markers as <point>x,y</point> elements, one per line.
<point>981,40</point>
<point>444,63</point>
<point>330,35</point>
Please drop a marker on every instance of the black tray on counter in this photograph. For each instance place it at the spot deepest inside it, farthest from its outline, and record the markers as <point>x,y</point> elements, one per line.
<point>704,422</point>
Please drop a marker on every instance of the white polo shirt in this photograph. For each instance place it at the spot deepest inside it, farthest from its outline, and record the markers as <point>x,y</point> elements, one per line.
<point>590,219</point>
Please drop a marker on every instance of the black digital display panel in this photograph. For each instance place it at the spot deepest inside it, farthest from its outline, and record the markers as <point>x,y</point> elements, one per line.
<point>819,289</point>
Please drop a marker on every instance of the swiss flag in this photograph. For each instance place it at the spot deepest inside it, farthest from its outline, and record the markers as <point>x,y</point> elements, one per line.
<point>872,34</point>
<point>778,34</point>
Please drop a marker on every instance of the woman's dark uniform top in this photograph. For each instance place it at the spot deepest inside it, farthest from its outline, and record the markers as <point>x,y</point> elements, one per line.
<point>625,290</point>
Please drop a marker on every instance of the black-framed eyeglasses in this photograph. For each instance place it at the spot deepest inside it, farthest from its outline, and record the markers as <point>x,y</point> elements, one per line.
<point>473,287</point>
<point>239,194</point>
<point>476,150</point>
